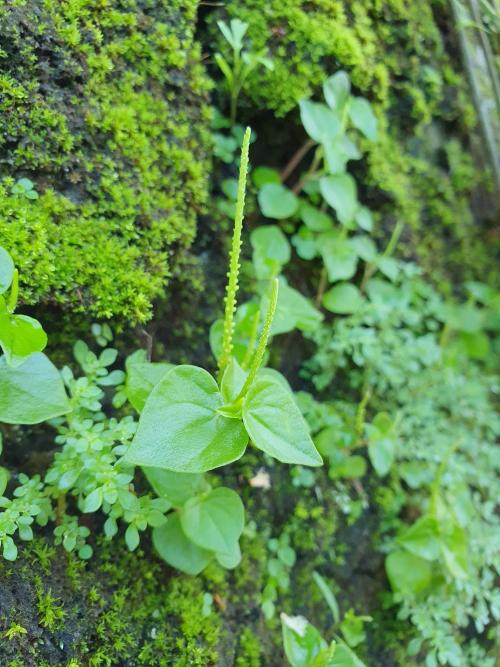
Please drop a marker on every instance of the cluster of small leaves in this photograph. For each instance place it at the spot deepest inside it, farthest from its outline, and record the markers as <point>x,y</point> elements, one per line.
<point>442,567</point>
<point>279,565</point>
<point>391,335</point>
<point>239,63</point>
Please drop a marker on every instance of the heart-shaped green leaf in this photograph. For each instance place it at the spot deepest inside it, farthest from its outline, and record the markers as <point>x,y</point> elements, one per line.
<point>276,425</point>
<point>180,428</point>
<point>422,538</point>
<point>407,572</point>
<point>215,520</point>
<point>32,392</point>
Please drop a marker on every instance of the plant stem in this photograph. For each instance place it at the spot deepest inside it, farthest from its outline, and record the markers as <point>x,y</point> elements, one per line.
<point>264,337</point>
<point>310,172</point>
<point>393,241</point>
<point>296,158</point>
<point>61,509</point>
<point>321,287</point>
<point>234,258</point>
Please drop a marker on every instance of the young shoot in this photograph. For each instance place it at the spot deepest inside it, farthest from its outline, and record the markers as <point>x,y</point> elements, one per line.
<point>241,63</point>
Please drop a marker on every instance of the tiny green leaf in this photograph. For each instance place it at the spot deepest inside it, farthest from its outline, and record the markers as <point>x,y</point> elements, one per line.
<point>277,202</point>
<point>381,452</point>
<point>407,572</point>
<point>320,122</point>
<point>344,299</point>
<point>301,641</point>
<point>339,256</point>
<point>263,175</point>
<point>340,193</point>
<point>363,118</point>
<point>422,538</point>
<point>232,381</point>
<point>316,220</point>
<point>336,90</point>
<point>271,251</point>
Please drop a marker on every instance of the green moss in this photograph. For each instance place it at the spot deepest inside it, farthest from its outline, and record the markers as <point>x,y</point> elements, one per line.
<point>249,653</point>
<point>128,609</point>
<point>402,56</point>
<point>104,109</point>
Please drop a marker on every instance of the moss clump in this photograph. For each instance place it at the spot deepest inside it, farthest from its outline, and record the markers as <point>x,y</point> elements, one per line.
<point>121,609</point>
<point>104,108</point>
<point>402,56</point>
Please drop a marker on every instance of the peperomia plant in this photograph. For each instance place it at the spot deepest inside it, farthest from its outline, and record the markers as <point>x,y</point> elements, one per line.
<point>192,422</point>
<point>31,389</point>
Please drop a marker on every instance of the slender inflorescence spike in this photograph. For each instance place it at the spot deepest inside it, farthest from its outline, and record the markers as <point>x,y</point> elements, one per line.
<point>251,341</point>
<point>264,337</point>
<point>234,259</point>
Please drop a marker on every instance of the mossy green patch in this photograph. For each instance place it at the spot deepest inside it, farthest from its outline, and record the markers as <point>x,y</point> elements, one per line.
<point>104,108</point>
<point>124,609</point>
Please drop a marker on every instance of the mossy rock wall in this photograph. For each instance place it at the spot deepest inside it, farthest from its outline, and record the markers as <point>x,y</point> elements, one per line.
<point>104,108</point>
<point>405,57</point>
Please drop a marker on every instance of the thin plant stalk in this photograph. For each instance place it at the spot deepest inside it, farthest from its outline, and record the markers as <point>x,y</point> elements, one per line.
<point>234,259</point>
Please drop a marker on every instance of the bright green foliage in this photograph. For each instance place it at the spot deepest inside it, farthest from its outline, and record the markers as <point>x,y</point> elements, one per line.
<point>192,424</point>
<point>104,109</point>
<point>420,169</point>
<point>32,392</point>
<point>31,389</point>
<point>303,644</point>
<point>344,299</point>
<point>182,428</point>
<point>142,376</point>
